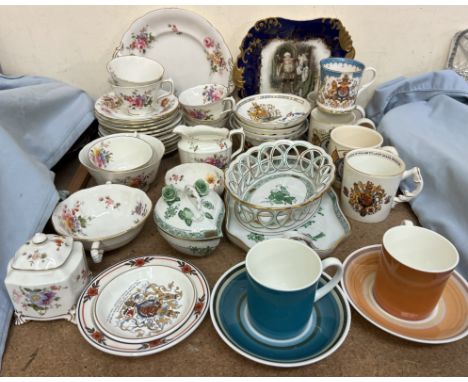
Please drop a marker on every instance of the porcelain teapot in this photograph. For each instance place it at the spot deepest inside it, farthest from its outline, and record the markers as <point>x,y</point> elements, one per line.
<point>206,144</point>
<point>45,278</point>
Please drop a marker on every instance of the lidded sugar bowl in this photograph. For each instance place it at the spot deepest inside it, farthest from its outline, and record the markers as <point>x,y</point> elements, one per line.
<point>189,218</point>
<point>45,278</point>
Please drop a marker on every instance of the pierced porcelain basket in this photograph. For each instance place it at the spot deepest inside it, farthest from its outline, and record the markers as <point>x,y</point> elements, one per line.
<point>277,185</point>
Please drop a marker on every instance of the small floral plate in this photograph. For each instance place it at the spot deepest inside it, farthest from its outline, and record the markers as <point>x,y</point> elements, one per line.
<point>149,307</point>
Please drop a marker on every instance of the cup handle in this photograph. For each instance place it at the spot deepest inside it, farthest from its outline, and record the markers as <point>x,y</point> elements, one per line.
<point>242,137</point>
<point>169,92</point>
<point>228,104</point>
<point>371,81</point>
<point>406,196</point>
<point>390,149</point>
<point>361,111</point>
<point>326,263</point>
<point>407,222</point>
<point>366,122</point>
<point>96,251</point>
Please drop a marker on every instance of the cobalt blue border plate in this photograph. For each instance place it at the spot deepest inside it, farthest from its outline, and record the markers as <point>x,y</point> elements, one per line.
<point>332,320</point>
<point>247,69</point>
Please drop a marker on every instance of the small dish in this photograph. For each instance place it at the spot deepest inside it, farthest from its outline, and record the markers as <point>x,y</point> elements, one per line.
<point>101,341</point>
<point>448,323</point>
<point>188,173</point>
<point>102,217</point>
<point>272,110</point>
<point>326,229</point>
<point>144,304</point>
<point>331,321</point>
<point>120,153</point>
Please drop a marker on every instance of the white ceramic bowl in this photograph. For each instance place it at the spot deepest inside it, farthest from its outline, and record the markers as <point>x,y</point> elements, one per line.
<point>134,71</point>
<point>188,173</point>
<point>272,110</point>
<point>102,217</point>
<point>120,153</point>
<point>140,178</point>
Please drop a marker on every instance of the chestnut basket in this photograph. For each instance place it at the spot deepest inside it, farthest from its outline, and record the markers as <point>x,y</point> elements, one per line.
<point>300,159</point>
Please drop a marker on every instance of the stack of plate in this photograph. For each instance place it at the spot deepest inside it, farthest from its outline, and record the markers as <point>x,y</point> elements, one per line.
<point>160,123</point>
<point>269,117</point>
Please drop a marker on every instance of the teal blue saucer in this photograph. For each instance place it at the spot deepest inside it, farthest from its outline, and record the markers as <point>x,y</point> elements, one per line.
<point>326,331</point>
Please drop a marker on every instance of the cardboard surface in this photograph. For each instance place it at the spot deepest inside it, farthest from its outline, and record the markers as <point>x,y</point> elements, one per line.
<point>56,348</point>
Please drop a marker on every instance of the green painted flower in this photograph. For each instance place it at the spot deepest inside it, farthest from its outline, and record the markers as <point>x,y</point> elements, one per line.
<point>186,215</point>
<point>281,195</point>
<point>171,211</point>
<point>202,187</point>
<point>169,194</point>
<point>255,237</point>
<point>207,204</point>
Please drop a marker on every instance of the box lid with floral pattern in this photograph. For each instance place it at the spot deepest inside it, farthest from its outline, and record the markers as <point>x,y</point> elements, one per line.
<point>192,212</point>
<point>43,252</point>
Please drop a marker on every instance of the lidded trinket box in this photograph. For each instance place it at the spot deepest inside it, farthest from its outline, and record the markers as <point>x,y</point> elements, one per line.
<point>189,218</point>
<point>45,278</point>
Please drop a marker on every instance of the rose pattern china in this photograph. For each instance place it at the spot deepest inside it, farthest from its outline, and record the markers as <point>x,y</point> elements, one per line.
<point>206,144</point>
<point>189,173</point>
<point>45,278</point>
<point>86,216</point>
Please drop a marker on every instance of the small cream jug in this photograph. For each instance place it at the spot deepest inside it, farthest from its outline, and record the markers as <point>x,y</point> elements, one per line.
<point>206,144</point>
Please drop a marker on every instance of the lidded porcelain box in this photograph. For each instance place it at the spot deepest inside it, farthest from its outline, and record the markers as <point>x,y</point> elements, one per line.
<point>189,218</point>
<point>45,278</point>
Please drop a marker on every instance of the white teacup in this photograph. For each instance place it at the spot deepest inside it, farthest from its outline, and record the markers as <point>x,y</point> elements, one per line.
<point>370,182</point>
<point>321,124</point>
<point>345,138</point>
<point>141,100</point>
<point>134,71</point>
<point>207,102</point>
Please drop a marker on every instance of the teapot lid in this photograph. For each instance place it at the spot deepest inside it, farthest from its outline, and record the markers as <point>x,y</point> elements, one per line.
<point>192,212</point>
<point>42,252</point>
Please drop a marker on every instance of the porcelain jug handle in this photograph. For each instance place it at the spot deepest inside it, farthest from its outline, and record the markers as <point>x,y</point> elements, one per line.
<point>361,111</point>
<point>294,235</point>
<point>371,81</point>
<point>168,92</point>
<point>330,262</point>
<point>96,251</point>
<point>240,132</point>
<point>407,195</point>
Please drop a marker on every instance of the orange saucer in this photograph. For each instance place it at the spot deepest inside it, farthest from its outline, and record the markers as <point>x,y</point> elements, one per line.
<point>448,322</point>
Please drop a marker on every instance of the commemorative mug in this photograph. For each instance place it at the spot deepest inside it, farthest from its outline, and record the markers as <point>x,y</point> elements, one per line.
<point>345,138</point>
<point>371,179</point>
<point>340,84</point>
<point>414,267</point>
<point>283,276</point>
<point>321,124</point>
<point>142,100</point>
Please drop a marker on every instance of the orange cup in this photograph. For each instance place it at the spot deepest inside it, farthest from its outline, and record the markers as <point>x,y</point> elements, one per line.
<point>414,267</point>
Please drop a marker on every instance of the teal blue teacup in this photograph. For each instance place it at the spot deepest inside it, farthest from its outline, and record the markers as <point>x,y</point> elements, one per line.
<point>283,275</point>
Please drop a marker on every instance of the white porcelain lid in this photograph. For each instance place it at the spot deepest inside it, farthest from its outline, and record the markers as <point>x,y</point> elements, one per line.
<point>43,252</point>
<point>193,212</point>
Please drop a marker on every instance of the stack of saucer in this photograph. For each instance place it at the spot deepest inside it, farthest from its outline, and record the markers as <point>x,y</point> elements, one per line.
<point>160,123</point>
<point>269,117</point>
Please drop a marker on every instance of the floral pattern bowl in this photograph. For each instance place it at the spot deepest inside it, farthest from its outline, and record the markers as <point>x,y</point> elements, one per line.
<point>139,178</point>
<point>103,217</point>
<point>190,218</point>
<point>188,173</point>
<point>120,153</point>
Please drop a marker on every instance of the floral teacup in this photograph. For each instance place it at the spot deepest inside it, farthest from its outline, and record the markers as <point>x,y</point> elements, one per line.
<point>206,102</point>
<point>141,100</point>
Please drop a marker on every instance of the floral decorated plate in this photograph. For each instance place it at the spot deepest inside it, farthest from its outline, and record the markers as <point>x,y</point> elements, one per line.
<point>173,120</point>
<point>154,303</point>
<point>273,110</point>
<point>189,48</point>
<point>110,107</point>
<point>282,56</point>
<point>327,228</point>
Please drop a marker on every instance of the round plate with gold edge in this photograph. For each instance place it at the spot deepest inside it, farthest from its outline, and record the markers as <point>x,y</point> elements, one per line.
<point>448,322</point>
